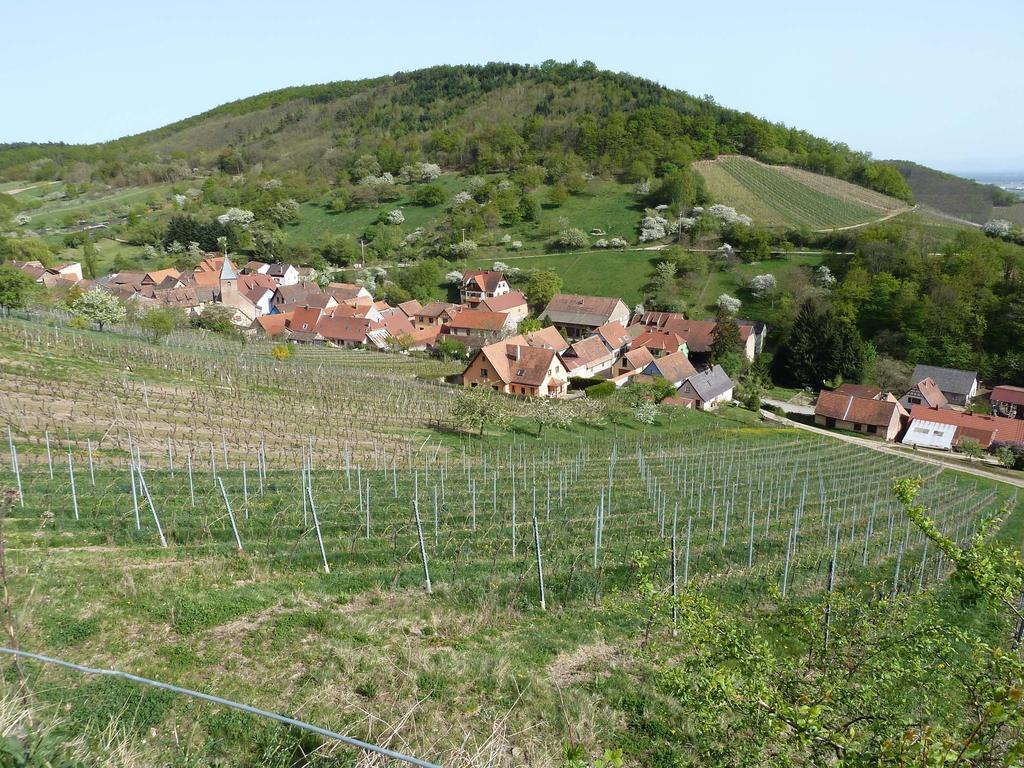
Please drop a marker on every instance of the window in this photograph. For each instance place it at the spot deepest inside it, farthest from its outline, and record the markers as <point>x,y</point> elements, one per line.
<point>872,429</point>
<point>914,400</point>
<point>483,373</point>
<point>830,422</point>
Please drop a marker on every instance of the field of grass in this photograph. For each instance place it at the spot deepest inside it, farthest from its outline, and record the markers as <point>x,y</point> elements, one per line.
<point>1014,213</point>
<point>482,668</point>
<point>786,197</point>
<point>596,273</point>
<point>733,279</point>
<point>95,207</point>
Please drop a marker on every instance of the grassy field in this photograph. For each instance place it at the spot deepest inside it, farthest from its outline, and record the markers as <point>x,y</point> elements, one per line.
<point>596,273</point>
<point>1014,213</point>
<point>786,197</point>
<point>95,207</point>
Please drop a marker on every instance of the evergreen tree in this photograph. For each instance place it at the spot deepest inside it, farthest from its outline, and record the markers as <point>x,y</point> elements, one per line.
<point>802,353</point>
<point>843,351</point>
<point>725,339</point>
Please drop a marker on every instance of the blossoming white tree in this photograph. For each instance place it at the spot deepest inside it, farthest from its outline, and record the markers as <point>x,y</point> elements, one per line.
<point>997,228</point>
<point>237,216</point>
<point>823,277</point>
<point>763,285</point>
<point>728,303</point>
<point>395,217</point>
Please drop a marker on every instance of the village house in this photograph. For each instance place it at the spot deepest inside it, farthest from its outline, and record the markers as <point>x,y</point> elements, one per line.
<point>282,274</point>
<point>698,334</point>
<point>436,313</point>
<point>873,416</point>
<point>958,387</point>
<point>614,336</point>
<point>858,390</point>
<point>633,361</point>
<point>477,328</point>
<point>1007,401</point>
<point>512,304</point>
<point>674,368</point>
<point>513,368</point>
<point>159,276</point>
<point>660,342</point>
<point>579,316</point>
<point>924,392</point>
<point>478,285</point>
<point>982,429</point>
<point>708,388</point>
<point>342,331</point>
<point>547,338</point>
<point>349,292</point>
<point>589,358</point>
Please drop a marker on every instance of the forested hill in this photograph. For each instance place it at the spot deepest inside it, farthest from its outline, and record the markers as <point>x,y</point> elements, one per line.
<point>471,118</point>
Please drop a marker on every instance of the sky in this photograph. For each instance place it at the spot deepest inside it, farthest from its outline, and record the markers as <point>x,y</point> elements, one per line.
<point>936,82</point>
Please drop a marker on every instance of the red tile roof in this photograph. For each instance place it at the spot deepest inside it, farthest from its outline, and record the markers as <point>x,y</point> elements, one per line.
<point>985,429</point>
<point>482,279</point>
<point>477,320</point>
<point>505,302</point>
<point>859,410</point>
<point>1007,394</point>
<point>858,390</point>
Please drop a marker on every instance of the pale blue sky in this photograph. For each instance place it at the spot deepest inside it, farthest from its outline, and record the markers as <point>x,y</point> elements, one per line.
<point>938,82</point>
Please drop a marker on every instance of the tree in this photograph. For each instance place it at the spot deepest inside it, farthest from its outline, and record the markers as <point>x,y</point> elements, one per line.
<point>15,287</point>
<point>89,259</point>
<point>549,413</point>
<point>888,374</point>
<point>971,448</point>
<point>158,323</point>
<point>429,195</point>
<point>679,189</point>
<point>557,195</point>
<point>802,351</point>
<point>530,325</point>
<point>541,285</point>
<point>476,407</point>
<point>99,307</point>
<point>725,338</point>
<point>450,349</point>
<point>216,318</point>
<point>572,239</point>
<point>281,351</point>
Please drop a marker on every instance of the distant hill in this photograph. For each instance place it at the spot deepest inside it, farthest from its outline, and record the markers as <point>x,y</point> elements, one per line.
<point>953,195</point>
<point>783,196</point>
<point>474,119</point>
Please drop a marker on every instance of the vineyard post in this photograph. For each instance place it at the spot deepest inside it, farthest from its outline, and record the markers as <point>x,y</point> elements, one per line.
<point>92,472</point>
<point>540,567</point>
<point>245,492</point>
<point>896,576</point>
<point>785,568</point>
<point>675,573</point>
<point>10,444</point>
<point>831,585</point>
<point>135,493</point>
<point>191,485</point>
<point>316,525</point>
<point>170,457</point>
<point>149,500</point>
<point>17,475</point>
<point>686,561</point>
<point>231,515</point>
<point>74,491</point>
<point>423,548</point>
<point>367,507</point>
<point>49,456</point>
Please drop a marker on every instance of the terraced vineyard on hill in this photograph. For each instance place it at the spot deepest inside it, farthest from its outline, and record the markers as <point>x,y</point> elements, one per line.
<point>789,197</point>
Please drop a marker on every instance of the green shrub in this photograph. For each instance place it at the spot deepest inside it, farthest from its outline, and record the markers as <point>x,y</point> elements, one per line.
<point>602,390</point>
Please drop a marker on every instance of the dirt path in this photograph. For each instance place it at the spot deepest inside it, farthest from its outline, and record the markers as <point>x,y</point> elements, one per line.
<point>933,460</point>
<point>26,189</point>
<point>890,215</point>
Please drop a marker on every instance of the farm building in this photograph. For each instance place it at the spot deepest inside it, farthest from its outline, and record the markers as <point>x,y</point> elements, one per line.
<point>478,285</point>
<point>436,313</point>
<point>353,332</point>
<point>930,434</point>
<point>634,360</point>
<point>477,327</point>
<point>871,416</point>
<point>660,342</point>
<point>924,392</point>
<point>614,335</point>
<point>513,368</point>
<point>512,304</point>
<point>958,387</point>
<point>858,390</point>
<point>985,430</point>
<point>698,334</point>
<point>547,338</point>
<point>1008,401</point>
<point>675,368</point>
<point>708,388</point>
<point>589,357</point>
<point>579,316</point>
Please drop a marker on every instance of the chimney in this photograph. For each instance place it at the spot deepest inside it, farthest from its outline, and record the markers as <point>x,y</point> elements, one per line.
<point>515,353</point>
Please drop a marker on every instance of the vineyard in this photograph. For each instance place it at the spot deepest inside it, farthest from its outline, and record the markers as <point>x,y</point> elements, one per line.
<point>788,197</point>
<point>296,535</point>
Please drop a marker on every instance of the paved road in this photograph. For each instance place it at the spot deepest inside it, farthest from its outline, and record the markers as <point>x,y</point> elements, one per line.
<point>806,410</point>
<point>937,460</point>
